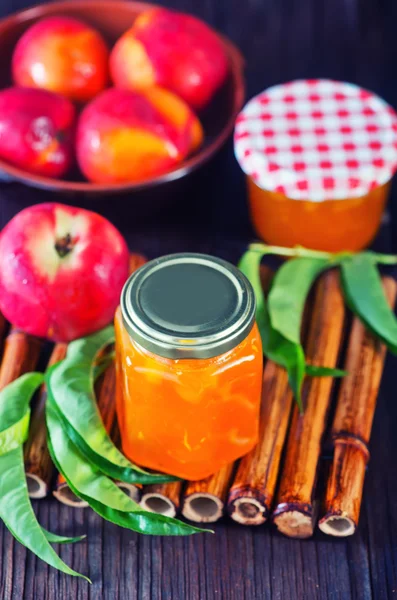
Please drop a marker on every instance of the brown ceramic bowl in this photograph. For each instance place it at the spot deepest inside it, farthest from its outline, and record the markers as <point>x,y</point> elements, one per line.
<point>112,18</point>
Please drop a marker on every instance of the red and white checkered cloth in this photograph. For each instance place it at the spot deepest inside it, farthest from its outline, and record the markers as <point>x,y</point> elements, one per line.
<point>317,140</point>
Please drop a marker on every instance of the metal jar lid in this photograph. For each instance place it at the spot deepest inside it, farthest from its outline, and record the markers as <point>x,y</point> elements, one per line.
<point>188,306</point>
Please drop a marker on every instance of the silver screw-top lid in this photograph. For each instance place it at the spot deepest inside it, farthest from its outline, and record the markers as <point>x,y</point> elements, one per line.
<point>188,306</point>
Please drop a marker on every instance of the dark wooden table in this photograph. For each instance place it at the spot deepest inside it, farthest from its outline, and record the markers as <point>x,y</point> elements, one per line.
<point>353,40</point>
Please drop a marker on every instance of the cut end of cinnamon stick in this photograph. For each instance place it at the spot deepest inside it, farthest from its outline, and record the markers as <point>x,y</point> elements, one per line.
<point>129,489</point>
<point>157,503</point>
<point>202,508</point>
<point>37,487</point>
<point>65,495</point>
<point>294,523</point>
<point>337,525</point>
<point>247,511</point>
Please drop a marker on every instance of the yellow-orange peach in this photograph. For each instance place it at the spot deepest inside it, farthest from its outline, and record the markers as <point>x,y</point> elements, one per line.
<point>37,129</point>
<point>63,55</point>
<point>128,136</point>
<point>174,50</point>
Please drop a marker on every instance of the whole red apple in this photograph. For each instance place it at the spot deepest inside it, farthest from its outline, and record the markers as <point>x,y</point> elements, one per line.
<point>63,55</point>
<point>173,50</point>
<point>61,271</point>
<point>36,130</point>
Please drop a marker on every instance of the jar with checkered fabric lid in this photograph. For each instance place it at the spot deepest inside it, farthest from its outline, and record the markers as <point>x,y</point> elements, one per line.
<point>319,156</point>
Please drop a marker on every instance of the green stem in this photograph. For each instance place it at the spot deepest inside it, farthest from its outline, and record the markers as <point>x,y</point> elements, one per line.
<point>296,252</point>
<point>385,259</point>
<point>301,252</point>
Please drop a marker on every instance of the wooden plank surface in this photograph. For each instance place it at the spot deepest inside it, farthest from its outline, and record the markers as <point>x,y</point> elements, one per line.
<point>281,39</point>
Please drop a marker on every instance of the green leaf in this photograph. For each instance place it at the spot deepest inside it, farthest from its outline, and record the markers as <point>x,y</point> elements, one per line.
<point>15,411</point>
<point>99,491</point>
<point>15,435</point>
<point>301,252</point>
<point>15,399</point>
<point>363,291</point>
<point>249,265</point>
<point>275,346</point>
<point>71,383</point>
<point>17,514</point>
<point>53,538</point>
<point>290,288</point>
<point>315,371</point>
<point>141,522</point>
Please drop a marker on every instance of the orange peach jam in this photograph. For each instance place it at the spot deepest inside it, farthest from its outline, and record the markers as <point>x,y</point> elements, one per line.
<point>187,417</point>
<point>332,225</point>
<point>319,156</point>
<point>189,366</point>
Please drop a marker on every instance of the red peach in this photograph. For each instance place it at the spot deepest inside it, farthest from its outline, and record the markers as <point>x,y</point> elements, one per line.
<point>173,50</point>
<point>36,130</point>
<point>63,55</point>
<point>127,136</point>
<point>62,271</point>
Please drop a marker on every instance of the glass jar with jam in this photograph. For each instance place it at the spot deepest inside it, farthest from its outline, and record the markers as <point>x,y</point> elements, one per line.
<point>319,156</point>
<point>189,365</point>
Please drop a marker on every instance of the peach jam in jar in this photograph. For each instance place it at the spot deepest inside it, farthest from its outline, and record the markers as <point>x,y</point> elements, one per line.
<point>319,156</point>
<point>189,365</point>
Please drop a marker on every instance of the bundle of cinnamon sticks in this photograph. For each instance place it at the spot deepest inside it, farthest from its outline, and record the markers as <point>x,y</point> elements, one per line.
<point>277,480</point>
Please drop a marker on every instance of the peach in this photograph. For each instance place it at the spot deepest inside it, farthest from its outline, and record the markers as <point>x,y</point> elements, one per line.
<point>63,55</point>
<point>62,271</point>
<point>36,130</point>
<point>128,136</point>
<point>173,50</point>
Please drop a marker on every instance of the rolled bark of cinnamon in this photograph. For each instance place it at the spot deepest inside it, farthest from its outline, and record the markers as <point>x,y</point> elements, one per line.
<point>296,509</point>
<point>107,408</point>
<point>105,387</point>
<point>251,494</point>
<point>352,425</point>
<point>21,355</point>
<point>64,494</point>
<point>162,498</point>
<point>3,329</point>
<point>62,491</point>
<point>136,260</point>
<point>204,501</point>
<point>105,393</point>
<point>38,464</point>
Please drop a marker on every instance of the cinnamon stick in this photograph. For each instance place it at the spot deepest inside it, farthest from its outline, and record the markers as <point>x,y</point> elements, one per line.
<point>3,329</point>
<point>296,509</point>
<point>204,501</point>
<point>21,355</point>
<point>105,393</point>
<point>352,425</point>
<point>162,498</point>
<point>136,261</point>
<point>38,465</point>
<point>107,408</point>
<point>105,388</point>
<point>64,494</point>
<point>251,494</point>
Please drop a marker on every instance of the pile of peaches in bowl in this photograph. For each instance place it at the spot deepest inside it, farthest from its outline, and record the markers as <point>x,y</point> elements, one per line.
<point>120,112</point>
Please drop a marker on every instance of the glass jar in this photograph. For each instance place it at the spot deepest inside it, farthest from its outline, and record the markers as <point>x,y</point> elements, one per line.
<point>331,225</point>
<point>189,365</point>
<point>319,156</point>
